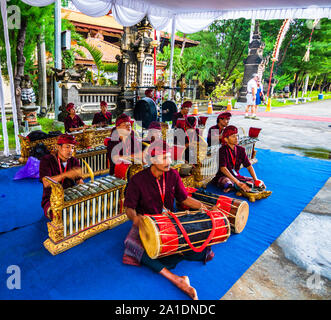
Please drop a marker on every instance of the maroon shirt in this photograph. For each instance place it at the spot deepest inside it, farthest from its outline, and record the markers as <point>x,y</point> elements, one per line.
<point>129,147</point>
<point>100,118</point>
<point>49,166</point>
<point>214,130</point>
<point>76,122</point>
<point>143,194</point>
<point>225,159</point>
<point>175,117</point>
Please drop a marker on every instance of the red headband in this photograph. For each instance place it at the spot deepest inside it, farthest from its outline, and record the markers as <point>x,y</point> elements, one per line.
<point>187,104</point>
<point>70,106</point>
<point>228,131</point>
<point>66,139</point>
<point>155,125</point>
<point>122,118</point>
<point>103,103</point>
<point>224,115</point>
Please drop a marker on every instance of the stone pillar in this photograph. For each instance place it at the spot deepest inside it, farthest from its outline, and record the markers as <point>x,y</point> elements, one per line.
<point>254,63</point>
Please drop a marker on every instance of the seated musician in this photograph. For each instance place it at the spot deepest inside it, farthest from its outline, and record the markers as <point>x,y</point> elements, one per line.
<point>215,132</point>
<point>231,157</point>
<point>192,135</point>
<point>72,122</point>
<point>122,146</point>
<point>102,118</point>
<point>62,167</point>
<point>154,133</point>
<point>153,191</point>
<point>182,114</point>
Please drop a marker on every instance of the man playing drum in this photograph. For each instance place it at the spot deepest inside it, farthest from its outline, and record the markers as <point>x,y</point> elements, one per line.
<point>153,191</point>
<point>61,167</point>
<point>231,157</point>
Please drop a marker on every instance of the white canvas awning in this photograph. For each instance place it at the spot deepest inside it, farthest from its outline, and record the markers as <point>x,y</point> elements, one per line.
<point>195,15</point>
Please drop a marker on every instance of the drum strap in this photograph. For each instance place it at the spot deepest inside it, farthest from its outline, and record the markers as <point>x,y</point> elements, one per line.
<point>204,245</point>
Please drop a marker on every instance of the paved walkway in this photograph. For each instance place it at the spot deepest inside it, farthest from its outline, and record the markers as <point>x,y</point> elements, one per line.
<point>285,116</point>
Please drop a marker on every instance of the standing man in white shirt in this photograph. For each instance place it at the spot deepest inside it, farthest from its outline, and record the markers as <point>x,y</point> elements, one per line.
<point>251,96</point>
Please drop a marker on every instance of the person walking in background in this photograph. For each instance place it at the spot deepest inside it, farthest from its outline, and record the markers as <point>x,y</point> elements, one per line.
<point>259,95</point>
<point>251,95</point>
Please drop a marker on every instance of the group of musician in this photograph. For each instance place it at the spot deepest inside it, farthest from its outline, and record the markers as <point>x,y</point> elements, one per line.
<point>154,189</point>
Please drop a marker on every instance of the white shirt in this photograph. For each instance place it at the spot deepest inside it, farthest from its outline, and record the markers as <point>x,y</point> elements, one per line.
<point>250,85</point>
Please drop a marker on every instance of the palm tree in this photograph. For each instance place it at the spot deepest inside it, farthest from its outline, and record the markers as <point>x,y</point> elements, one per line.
<point>97,57</point>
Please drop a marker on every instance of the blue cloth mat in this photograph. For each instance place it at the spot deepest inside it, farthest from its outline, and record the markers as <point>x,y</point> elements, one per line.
<point>20,200</point>
<point>94,269</point>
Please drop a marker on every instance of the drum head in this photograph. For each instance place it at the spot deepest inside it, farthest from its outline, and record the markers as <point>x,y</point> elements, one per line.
<point>168,109</point>
<point>241,217</point>
<point>145,111</point>
<point>150,237</point>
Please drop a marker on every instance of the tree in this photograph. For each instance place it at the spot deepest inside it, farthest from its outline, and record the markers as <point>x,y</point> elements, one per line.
<point>23,42</point>
<point>290,64</point>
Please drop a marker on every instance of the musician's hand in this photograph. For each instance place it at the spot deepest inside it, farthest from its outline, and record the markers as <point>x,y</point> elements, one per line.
<point>215,208</point>
<point>244,186</point>
<point>138,220</point>
<point>203,207</point>
<point>73,173</point>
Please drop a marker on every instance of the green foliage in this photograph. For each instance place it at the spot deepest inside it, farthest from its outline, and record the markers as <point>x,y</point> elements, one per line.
<point>219,55</point>
<point>179,65</point>
<point>97,57</point>
<point>40,22</point>
<point>283,80</point>
<point>290,64</point>
<point>48,125</point>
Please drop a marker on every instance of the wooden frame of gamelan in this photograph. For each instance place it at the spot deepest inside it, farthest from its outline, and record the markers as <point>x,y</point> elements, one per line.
<point>57,241</point>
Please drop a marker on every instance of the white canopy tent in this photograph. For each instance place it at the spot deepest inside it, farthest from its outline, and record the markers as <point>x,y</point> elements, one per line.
<point>187,16</point>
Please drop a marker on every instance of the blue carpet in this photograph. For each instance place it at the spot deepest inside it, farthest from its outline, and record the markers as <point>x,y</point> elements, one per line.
<point>19,200</point>
<point>94,269</point>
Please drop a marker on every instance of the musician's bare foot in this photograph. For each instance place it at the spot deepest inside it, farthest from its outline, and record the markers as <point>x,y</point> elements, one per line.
<point>190,291</point>
<point>181,282</point>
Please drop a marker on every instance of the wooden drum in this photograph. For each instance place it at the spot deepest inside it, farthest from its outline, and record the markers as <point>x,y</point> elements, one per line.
<point>166,234</point>
<point>236,210</point>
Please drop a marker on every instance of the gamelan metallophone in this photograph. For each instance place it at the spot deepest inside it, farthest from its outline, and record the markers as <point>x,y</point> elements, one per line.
<point>83,211</point>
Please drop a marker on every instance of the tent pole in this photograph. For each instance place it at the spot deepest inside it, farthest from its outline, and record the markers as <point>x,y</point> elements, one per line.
<point>173,31</point>
<point>10,74</point>
<point>3,118</point>
<point>58,60</point>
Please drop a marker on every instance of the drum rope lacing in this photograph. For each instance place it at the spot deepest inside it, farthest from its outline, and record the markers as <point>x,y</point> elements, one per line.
<point>207,241</point>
